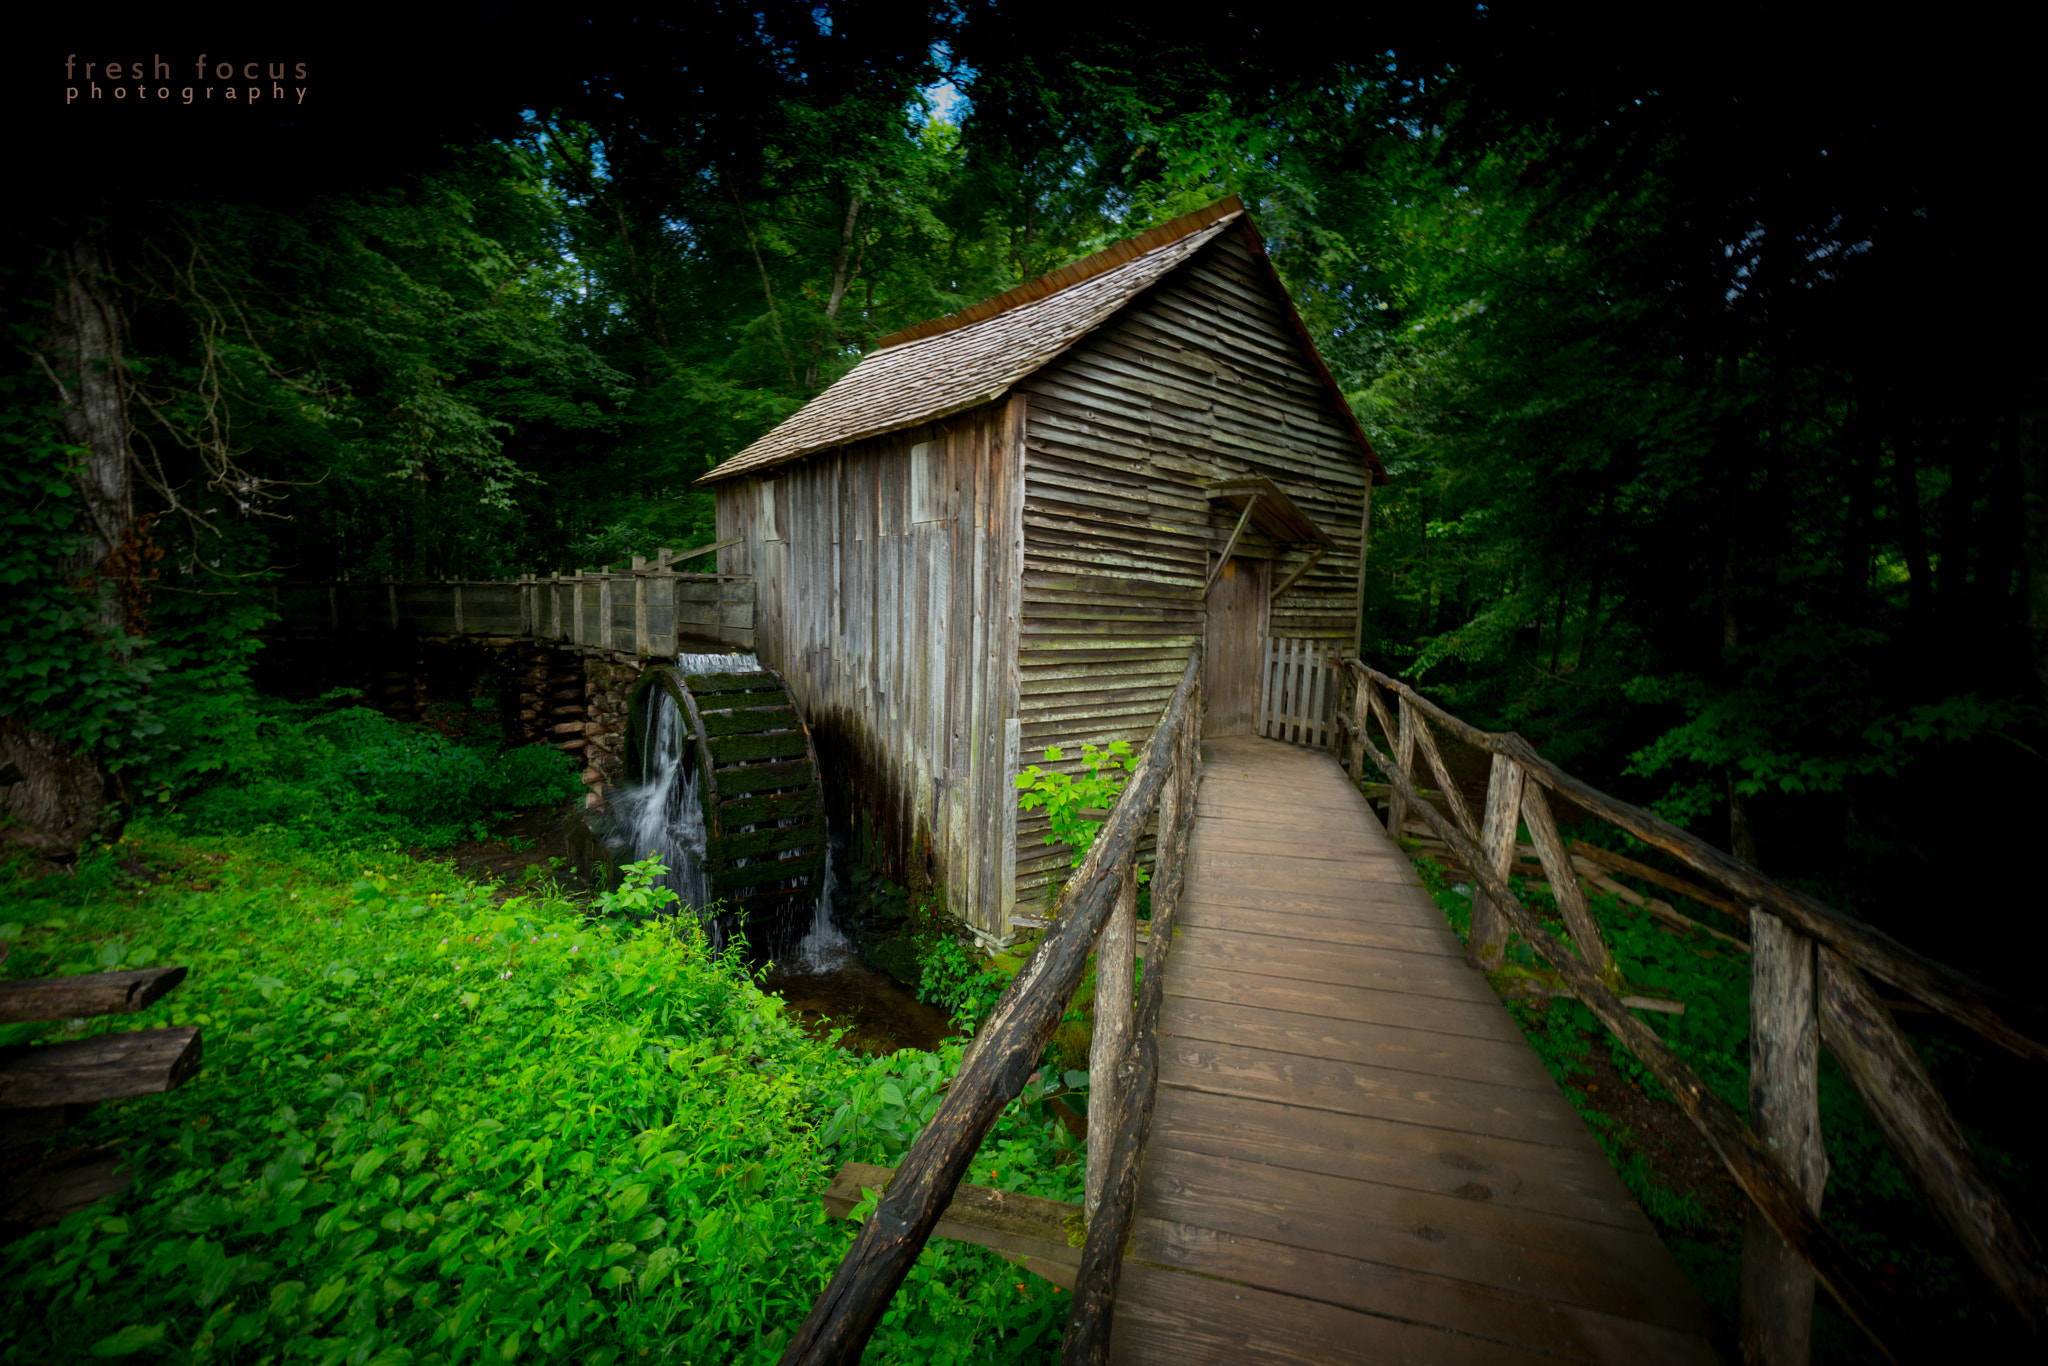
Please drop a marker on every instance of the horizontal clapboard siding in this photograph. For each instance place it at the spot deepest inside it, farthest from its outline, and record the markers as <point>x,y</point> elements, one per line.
<point>1202,377</point>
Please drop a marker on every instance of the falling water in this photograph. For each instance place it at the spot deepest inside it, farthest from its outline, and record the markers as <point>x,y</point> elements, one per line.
<point>665,815</point>
<point>824,947</point>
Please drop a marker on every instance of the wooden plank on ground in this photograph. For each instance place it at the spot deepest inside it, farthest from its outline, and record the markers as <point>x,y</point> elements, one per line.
<point>141,1062</point>
<point>86,995</point>
<point>42,1195</point>
<point>1026,1229</point>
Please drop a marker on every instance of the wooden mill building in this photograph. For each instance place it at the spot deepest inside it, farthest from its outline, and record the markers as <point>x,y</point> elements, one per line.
<point>1004,529</point>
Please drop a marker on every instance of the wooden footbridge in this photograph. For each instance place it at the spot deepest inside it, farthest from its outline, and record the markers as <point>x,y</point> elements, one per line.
<point>1317,1136</point>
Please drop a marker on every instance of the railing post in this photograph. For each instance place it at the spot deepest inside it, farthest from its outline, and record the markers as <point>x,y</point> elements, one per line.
<point>1404,755</point>
<point>1115,958</point>
<point>576,606</point>
<point>1784,1111</point>
<point>1497,845</point>
<point>641,645</point>
<point>604,612</point>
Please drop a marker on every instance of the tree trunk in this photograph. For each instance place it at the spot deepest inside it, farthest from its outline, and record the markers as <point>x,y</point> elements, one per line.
<point>845,263</point>
<point>84,355</point>
<point>58,799</point>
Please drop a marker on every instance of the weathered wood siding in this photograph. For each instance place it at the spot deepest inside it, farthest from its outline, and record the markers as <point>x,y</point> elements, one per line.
<point>1201,377</point>
<point>887,594</point>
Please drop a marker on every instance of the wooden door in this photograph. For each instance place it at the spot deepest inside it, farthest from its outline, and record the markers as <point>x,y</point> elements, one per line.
<point>1234,644</point>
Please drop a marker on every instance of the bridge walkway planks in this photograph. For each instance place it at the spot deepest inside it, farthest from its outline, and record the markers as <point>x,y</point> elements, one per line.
<point>1355,1155</point>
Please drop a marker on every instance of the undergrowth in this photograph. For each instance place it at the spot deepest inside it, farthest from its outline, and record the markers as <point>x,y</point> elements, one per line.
<point>435,1129</point>
<point>331,778</point>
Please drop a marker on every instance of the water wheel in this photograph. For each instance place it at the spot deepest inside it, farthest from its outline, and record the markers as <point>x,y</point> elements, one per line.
<point>757,784</point>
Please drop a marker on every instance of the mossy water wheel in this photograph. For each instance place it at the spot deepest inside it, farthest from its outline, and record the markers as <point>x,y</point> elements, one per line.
<point>762,797</point>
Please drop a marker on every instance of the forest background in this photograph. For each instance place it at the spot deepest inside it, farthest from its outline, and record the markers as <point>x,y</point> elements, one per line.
<point>1705,363</point>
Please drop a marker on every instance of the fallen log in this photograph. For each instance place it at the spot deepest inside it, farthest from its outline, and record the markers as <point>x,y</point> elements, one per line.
<point>1028,1230</point>
<point>93,993</point>
<point>141,1062</point>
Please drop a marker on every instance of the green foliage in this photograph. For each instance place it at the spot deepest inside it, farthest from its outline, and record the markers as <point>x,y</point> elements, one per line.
<point>56,671</point>
<point>952,978</point>
<point>636,898</point>
<point>435,1128</point>
<point>354,776</point>
<point>1064,797</point>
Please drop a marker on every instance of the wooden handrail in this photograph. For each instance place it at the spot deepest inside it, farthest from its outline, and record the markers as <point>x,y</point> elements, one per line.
<point>1006,1051</point>
<point>1090,1312</point>
<point>1828,998</point>
<point>1744,1154</point>
<point>1936,984</point>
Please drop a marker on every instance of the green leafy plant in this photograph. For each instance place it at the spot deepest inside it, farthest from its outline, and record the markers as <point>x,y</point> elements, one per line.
<point>1066,799</point>
<point>439,1129</point>
<point>354,776</point>
<point>955,979</point>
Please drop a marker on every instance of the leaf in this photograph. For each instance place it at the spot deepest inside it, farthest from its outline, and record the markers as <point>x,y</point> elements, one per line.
<point>130,1340</point>
<point>367,1164</point>
<point>324,1298</point>
<point>891,1092</point>
<point>196,1213</point>
<point>659,1263</point>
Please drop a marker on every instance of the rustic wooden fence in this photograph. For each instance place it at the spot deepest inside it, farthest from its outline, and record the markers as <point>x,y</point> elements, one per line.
<point>1097,913</point>
<point>1299,689</point>
<point>1809,985</point>
<point>647,610</point>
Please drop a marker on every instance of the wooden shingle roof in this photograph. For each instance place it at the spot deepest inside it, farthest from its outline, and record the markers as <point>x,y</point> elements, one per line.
<point>975,356</point>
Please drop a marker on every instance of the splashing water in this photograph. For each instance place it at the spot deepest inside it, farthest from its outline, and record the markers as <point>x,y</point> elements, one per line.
<point>824,947</point>
<point>665,815</point>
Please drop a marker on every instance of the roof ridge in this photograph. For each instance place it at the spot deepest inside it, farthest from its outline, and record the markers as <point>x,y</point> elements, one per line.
<point>1069,275</point>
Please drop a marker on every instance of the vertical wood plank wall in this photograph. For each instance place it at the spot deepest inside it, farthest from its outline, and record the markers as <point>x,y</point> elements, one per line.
<point>898,636</point>
<point>1202,377</point>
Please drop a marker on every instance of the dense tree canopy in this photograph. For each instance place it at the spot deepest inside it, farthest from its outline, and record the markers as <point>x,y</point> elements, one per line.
<point>1717,443</point>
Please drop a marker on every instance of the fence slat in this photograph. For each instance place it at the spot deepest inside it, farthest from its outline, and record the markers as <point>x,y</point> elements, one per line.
<point>1784,1110</point>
